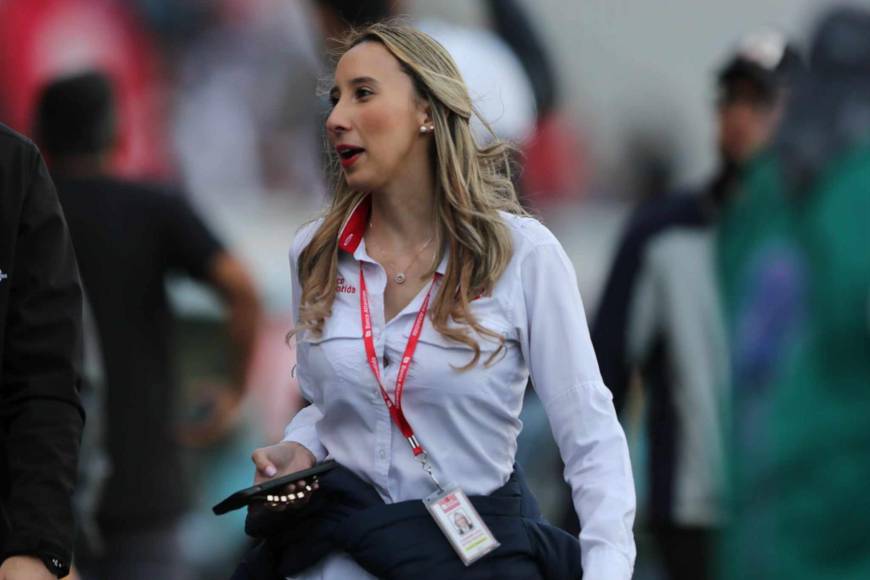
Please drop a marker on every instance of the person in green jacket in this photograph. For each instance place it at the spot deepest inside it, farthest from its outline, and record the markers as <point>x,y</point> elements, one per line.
<point>794,265</point>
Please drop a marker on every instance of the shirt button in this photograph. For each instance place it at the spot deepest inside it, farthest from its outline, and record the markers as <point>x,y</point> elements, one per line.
<point>382,454</point>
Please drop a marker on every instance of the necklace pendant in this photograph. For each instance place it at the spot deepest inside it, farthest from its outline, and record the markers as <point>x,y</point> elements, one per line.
<point>399,278</point>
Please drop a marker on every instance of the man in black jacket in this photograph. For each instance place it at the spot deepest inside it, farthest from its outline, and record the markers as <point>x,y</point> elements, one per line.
<point>41,418</point>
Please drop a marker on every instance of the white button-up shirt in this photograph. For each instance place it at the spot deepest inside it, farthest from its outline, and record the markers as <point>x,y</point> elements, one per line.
<point>468,421</point>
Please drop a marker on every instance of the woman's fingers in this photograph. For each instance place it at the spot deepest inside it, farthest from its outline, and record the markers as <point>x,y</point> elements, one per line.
<point>265,467</point>
<point>280,459</point>
<point>283,501</point>
<point>296,486</point>
<point>293,495</point>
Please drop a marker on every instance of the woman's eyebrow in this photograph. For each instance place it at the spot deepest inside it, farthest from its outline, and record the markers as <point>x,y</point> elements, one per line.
<point>363,81</point>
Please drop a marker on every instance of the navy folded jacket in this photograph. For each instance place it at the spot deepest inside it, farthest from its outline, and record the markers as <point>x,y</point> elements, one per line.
<point>401,540</point>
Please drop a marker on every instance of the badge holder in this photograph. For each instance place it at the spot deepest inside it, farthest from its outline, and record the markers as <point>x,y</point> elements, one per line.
<point>458,519</point>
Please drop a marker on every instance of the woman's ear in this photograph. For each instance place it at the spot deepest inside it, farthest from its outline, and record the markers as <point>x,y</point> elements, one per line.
<point>424,116</point>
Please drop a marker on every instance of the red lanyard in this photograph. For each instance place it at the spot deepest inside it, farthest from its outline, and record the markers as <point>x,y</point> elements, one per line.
<point>371,355</point>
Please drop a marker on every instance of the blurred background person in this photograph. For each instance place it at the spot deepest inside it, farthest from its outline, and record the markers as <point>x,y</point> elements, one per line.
<point>659,319</point>
<point>554,158</point>
<point>246,115</point>
<point>41,416</point>
<point>43,40</point>
<point>129,237</point>
<point>794,258</point>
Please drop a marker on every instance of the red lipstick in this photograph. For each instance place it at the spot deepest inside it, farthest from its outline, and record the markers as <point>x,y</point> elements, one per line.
<point>348,154</point>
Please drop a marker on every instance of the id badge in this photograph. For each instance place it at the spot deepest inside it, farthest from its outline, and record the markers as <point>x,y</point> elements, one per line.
<point>461,524</point>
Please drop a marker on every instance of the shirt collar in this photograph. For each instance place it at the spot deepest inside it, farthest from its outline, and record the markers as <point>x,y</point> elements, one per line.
<point>352,232</point>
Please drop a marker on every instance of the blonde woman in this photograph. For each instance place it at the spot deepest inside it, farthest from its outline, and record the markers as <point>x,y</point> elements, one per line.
<point>425,300</point>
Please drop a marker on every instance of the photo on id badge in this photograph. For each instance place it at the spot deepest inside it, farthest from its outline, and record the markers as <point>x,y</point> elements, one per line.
<point>462,525</point>
<point>460,521</point>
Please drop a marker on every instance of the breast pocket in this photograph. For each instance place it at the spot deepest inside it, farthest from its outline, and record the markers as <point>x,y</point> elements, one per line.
<point>334,362</point>
<point>438,360</point>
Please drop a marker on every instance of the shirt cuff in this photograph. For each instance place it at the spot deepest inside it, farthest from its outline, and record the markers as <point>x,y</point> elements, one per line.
<point>307,437</point>
<point>606,564</point>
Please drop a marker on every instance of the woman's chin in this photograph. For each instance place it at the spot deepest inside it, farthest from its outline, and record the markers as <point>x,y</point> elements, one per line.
<point>358,183</point>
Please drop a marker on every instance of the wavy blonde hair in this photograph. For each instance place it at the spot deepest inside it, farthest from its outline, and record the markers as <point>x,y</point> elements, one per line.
<point>472,183</point>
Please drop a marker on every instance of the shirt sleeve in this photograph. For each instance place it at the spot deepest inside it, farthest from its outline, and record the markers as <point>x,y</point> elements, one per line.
<point>191,245</point>
<point>302,428</point>
<point>40,412</point>
<point>557,347</point>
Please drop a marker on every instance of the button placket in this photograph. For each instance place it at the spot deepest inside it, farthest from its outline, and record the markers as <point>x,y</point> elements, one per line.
<point>376,303</point>
<point>375,392</point>
<point>376,278</point>
<point>381,455</point>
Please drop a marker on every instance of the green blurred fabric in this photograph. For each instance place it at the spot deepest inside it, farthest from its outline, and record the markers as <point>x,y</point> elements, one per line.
<point>795,282</point>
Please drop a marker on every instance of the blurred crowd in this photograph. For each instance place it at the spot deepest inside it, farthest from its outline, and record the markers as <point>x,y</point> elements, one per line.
<point>185,139</point>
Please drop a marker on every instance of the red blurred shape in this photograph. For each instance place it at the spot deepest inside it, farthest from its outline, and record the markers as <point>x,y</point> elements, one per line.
<point>43,39</point>
<point>556,164</point>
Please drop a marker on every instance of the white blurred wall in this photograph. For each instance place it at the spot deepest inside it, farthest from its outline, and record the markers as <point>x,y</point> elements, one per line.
<point>632,65</point>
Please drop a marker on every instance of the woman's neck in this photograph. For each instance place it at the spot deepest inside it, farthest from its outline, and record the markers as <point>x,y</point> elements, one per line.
<point>401,218</point>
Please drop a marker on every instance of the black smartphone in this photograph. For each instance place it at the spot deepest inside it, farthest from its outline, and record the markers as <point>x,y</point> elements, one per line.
<point>244,497</point>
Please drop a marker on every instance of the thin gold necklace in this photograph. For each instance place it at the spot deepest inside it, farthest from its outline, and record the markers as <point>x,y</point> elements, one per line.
<point>400,277</point>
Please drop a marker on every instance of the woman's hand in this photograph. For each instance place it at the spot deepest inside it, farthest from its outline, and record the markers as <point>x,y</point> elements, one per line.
<point>282,459</point>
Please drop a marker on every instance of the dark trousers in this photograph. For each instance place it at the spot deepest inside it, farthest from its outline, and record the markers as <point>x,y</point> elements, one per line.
<point>686,552</point>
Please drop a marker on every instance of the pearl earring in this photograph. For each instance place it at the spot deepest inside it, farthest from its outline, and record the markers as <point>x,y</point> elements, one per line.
<point>426,129</point>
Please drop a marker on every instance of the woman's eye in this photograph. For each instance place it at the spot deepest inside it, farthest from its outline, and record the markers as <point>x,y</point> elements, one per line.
<point>333,101</point>
<point>362,93</point>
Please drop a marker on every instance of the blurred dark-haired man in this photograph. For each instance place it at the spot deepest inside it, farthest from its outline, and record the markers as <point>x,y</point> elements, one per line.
<point>129,238</point>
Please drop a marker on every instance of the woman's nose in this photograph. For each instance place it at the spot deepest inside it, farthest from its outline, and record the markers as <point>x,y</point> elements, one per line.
<point>337,121</point>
